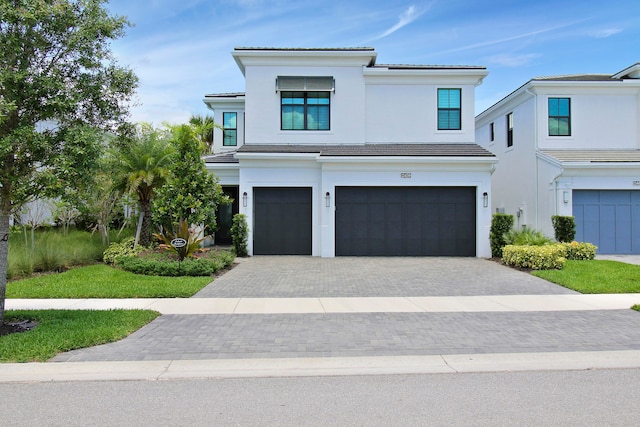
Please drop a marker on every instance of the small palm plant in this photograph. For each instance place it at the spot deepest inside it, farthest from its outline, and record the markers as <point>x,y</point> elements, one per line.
<point>184,242</point>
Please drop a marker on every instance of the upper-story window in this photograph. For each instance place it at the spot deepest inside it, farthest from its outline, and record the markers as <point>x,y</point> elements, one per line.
<point>305,110</point>
<point>229,129</point>
<point>305,102</point>
<point>510,130</point>
<point>449,108</point>
<point>559,116</point>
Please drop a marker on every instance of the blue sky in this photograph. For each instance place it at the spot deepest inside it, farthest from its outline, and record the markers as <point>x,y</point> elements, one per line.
<point>180,50</point>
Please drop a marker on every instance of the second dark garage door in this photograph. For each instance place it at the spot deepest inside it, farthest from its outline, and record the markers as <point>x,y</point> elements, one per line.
<point>282,221</point>
<point>405,221</point>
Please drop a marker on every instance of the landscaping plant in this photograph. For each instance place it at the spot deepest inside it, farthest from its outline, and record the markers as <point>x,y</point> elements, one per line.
<point>564,228</point>
<point>240,235</point>
<point>183,234</point>
<point>500,224</point>
<point>526,236</point>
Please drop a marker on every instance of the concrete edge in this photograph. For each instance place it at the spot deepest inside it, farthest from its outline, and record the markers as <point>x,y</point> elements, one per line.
<point>331,366</point>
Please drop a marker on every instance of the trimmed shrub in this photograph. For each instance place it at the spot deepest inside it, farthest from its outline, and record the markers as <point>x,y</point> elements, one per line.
<point>526,236</point>
<point>500,224</point>
<point>240,235</point>
<point>564,228</point>
<point>151,266</point>
<point>115,251</point>
<point>546,257</point>
<point>579,250</point>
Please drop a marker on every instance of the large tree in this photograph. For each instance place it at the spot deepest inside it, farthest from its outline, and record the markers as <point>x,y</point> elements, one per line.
<point>142,167</point>
<point>192,193</point>
<point>58,81</point>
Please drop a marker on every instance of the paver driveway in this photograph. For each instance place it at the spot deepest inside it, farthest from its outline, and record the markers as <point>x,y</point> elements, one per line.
<point>228,336</point>
<point>299,277</point>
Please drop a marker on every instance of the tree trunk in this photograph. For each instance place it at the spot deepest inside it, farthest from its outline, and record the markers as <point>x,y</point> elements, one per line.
<point>145,233</point>
<point>5,209</point>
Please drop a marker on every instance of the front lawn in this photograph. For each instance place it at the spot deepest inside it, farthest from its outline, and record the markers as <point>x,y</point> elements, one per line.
<point>64,330</point>
<point>595,277</point>
<point>103,281</point>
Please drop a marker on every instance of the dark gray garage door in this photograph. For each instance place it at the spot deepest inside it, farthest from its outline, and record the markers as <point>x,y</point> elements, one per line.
<point>610,219</point>
<point>282,221</point>
<point>406,221</point>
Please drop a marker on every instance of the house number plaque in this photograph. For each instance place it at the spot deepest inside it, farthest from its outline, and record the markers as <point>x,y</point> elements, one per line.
<point>405,175</point>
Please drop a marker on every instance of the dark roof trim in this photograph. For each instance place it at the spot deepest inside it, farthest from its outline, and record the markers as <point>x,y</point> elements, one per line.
<point>225,95</point>
<point>221,158</point>
<point>428,67</point>
<point>373,150</point>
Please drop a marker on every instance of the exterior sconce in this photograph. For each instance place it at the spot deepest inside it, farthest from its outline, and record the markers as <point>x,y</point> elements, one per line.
<point>327,199</point>
<point>485,199</point>
<point>565,196</point>
<point>244,199</point>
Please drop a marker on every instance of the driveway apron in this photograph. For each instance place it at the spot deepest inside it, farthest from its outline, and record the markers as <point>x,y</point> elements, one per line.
<point>239,336</point>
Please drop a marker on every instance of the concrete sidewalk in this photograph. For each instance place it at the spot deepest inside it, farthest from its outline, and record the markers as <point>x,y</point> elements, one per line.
<point>430,304</point>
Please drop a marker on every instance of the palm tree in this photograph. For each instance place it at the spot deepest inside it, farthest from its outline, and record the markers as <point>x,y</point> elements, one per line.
<point>203,127</point>
<point>140,167</point>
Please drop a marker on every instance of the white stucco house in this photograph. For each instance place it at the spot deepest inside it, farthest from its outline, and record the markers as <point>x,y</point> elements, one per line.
<point>329,154</point>
<point>570,145</point>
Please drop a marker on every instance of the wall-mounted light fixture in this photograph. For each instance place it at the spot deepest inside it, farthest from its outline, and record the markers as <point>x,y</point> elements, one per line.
<point>327,199</point>
<point>485,199</point>
<point>565,196</point>
<point>244,199</point>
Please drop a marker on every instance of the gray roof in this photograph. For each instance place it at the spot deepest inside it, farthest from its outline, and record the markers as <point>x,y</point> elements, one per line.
<point>577,78</point>
<point>221,158</point>
<point>308,49</point>
<point>594,156</point>
<point>429,67</point>
<point>225,95</point>
<point>372,150</point>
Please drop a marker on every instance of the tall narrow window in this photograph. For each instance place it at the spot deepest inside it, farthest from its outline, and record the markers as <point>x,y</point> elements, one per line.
<point>510,130</point>
<point>229,129</point>
<point>305,110</point>
<point>492,135</point>
<point>449,117</point>
<point>559,117</point>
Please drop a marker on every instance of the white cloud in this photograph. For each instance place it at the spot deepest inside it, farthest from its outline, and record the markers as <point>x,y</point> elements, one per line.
<point>406,18</point>
<point>606,32</point>
<point>507,60</point>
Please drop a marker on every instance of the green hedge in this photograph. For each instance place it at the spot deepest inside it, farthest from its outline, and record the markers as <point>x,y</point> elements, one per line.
<point>546,257</point>
<point>188,267</point>
<point>500,224</point>
<point>579,250</point>
<point>564,228</point>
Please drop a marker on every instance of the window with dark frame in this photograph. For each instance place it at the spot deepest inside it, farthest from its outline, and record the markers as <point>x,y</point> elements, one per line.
<point>229,129</point>
<point>305,110</point>
<point>492,134</point>
<point>449,109</point>
<point>510,130</point>
<point>559,117</point>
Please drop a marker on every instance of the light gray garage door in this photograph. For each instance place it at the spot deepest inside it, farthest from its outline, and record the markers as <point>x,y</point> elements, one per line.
<point>405,221</point>
<point>610,219</point>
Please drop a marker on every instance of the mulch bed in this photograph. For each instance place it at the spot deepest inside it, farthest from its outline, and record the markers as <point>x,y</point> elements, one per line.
<point>17,327</point>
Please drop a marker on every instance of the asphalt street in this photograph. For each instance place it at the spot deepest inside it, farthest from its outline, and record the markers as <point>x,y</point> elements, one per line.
<point>550,398</point>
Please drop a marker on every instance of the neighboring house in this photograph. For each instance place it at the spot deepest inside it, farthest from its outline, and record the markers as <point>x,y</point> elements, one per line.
<point>570,145</point>
<point>328,153</point>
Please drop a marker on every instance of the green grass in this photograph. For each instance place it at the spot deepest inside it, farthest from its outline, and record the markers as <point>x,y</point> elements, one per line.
<point>64,330</point>
<point>103,281</point>
<point>595,277</point>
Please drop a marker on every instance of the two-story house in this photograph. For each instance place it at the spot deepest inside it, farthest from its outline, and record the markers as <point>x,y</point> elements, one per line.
<point>570,145</point>
<point>328,153</point>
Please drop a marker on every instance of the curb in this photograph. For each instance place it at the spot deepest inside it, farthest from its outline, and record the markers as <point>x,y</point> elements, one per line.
<point>299,367</point>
